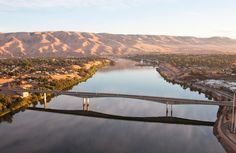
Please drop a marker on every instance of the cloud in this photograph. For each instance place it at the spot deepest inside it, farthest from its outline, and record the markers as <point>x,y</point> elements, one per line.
<point>38,4</point>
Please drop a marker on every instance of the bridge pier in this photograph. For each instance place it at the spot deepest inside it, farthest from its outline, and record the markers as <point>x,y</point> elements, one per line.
<point>45,100</point>
<point>86,104</point>
<point>166,109</point>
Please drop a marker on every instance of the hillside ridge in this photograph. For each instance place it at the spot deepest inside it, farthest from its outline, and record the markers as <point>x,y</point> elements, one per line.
<point>67,43</point>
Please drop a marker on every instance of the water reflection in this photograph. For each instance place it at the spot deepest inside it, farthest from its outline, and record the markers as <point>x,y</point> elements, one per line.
<point>160,119</point>
<point>50,132</point>
<point>53,130</point>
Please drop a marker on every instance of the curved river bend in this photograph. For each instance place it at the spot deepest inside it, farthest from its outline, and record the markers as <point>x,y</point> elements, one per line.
<point>37,132</point>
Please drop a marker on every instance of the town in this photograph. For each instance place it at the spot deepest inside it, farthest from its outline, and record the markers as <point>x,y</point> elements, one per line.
<point>44,74</point>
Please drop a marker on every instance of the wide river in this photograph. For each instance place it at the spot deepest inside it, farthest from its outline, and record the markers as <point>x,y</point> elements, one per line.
<point>46,132</point>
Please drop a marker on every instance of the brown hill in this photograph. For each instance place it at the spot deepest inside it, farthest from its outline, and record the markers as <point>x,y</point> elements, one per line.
<point>44,44</point>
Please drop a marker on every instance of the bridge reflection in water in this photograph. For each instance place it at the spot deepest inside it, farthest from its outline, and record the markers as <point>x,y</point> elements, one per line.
<point>161,119</point>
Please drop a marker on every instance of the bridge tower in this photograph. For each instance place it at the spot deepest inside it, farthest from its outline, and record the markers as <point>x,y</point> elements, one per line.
<point>45,100</point>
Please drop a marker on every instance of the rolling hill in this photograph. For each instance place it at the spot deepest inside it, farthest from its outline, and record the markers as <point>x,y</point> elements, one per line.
<point>46,44</point>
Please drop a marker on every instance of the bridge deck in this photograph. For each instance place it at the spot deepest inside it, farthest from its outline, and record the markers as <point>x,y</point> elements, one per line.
<point>165,100</point>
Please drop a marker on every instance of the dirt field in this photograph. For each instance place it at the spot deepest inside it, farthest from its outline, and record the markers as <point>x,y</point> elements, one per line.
<point>2,81</point>
<point>64,76</point>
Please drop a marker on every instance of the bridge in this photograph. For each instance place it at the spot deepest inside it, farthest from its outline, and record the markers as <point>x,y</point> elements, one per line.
<point>164,100</point>
<point>162,119</point>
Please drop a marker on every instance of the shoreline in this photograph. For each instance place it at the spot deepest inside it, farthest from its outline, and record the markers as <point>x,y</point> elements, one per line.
<point>223,137</point>
<point>34,99</point>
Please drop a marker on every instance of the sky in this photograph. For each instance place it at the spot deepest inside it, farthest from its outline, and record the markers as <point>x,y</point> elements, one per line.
<point>201,18</point>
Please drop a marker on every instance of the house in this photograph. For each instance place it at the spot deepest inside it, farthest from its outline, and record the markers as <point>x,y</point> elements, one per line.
<point>141,61</point>
<point>23,94</point>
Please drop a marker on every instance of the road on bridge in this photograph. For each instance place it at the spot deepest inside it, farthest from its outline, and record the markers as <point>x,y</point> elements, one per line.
<point>164,100</point>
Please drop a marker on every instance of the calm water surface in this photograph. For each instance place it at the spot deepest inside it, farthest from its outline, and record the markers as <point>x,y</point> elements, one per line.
<point>43,132</point>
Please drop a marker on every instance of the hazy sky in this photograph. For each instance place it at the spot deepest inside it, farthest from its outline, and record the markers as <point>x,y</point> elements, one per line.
<point>202,18</point>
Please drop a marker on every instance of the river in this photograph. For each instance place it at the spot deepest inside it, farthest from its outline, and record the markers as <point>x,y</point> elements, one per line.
<point>44,132</point>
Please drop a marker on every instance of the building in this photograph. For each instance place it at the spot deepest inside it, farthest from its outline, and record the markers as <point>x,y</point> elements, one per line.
<point>23,94</point>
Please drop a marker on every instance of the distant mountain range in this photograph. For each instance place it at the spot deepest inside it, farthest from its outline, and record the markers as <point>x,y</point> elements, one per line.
<point>46,44</point>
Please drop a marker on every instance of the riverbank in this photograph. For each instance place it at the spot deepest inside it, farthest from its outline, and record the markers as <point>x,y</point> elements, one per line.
<point>48,82</point>
<point>212,74</point>
<point>171,74</point>
<point>221,127</point>
<point>222,130</point>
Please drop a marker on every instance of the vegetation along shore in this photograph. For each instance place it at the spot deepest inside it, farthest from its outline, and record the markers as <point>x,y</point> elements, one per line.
<point>45,74</point>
